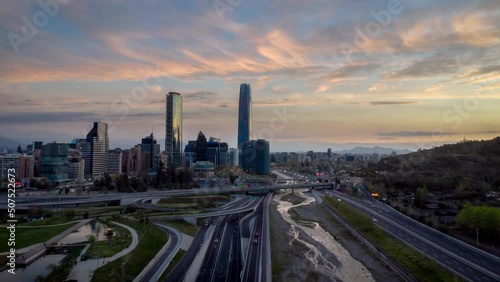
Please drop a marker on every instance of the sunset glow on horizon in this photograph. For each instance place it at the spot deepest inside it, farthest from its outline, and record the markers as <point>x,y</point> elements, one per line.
<point>324,74</point>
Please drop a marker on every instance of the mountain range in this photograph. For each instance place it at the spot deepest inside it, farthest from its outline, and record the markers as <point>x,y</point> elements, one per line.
<point>373,150</point>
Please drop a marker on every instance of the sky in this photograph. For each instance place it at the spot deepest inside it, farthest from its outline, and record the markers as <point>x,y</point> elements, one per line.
<point>324,73</point>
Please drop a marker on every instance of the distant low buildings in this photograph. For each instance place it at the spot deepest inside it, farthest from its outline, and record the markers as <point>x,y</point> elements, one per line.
<point>26,166</point>
<point>204,167</point>
<point>9,161</point>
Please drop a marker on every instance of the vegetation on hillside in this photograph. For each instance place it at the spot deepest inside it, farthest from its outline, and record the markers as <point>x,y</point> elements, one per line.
<point>466,169</point>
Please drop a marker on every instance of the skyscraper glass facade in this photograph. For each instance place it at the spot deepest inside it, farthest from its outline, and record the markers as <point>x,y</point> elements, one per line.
<point>245,114</point>
<point>173,132</point>
<point>55,161</point>
<point>99,140</point>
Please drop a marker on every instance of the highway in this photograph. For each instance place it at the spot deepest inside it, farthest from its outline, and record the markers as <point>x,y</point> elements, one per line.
<point>179,271</point>
<point>221,257</point>
<point>467,261</point>
<point>155,271</point>
<point>254,255</point>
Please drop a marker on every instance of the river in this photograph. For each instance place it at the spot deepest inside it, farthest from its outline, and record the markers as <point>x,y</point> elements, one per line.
<point>345,268</point>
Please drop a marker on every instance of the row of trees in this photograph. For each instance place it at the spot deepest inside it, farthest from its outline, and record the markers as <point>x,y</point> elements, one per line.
<point>171,177</point>
<point>484,218</point>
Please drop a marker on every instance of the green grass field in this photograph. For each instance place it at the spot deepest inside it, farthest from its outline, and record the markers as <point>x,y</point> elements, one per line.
<point>38,234</point>
<point>118,243</point>
<point>151,241</point>
<point>422,268</point>
<point>182,226</point>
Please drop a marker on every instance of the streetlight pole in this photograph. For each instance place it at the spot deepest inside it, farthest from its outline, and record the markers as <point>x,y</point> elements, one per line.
<point>477,236</point>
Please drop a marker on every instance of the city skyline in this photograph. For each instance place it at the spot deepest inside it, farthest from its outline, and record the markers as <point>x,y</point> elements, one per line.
<point>400,74</point>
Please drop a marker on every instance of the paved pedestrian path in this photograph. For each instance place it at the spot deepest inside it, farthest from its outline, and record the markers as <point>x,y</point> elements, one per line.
<point>84,270</point>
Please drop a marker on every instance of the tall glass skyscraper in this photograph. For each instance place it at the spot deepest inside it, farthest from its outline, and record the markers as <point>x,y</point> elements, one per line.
<point>99,142</point>
<point>244,115</point>
<point>173,130</point>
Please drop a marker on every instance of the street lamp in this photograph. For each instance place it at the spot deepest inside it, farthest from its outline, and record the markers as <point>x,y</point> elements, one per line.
<point>477,236</point>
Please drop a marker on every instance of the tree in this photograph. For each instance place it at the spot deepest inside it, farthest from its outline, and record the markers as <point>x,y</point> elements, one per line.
<point>19,150</point>
<point>354,190</point>
<point>92,239</point>
<point>109,235</point>
<point>421,196</point>
<point>160,175</point>
<point>232,177</point>
<point>122,183</point>
<point>484,218</point>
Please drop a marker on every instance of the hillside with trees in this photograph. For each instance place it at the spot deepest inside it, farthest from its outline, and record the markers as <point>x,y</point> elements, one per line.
<point>466,169</point>
<point>454,188</point>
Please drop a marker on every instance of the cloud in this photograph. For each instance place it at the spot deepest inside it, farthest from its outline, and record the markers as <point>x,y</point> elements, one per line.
<point>277,89</point>
<point>199,95</point>
<point>43,117</point>
<point>389,103</point>
<point>322,88</point>
<point>411,134</point>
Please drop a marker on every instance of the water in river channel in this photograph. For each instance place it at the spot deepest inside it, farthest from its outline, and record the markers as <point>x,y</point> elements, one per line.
<point>326,254</point>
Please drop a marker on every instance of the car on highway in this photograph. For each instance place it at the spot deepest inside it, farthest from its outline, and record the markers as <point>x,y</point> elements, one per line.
<point>255,242</point>
<point>257,234</point>
<point>216,240</point>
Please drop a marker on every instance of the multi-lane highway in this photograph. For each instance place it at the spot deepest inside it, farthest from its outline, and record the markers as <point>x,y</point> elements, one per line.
<point>177,274</point>
<point>223,253</point>
<point>154,271</point>
<point>465,260</point>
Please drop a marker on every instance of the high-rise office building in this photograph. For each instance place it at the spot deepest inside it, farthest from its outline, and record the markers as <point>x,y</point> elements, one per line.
<point>201,148</point>
<point>55,161</point>
<point>26,166</point>
<point>173,129</point>
<point>256,158</point>
<point>76,165</point>
<point>190,153</point>
<point>244,115</point>
<point>85,149</point>
<point>115,161</point>
<point>223,153</point>
<point>98,138</point>
<point>149,149</point>
<point>37,145</point>
<point>7,162</point>
<point>213,149</point>
<point>233,157</point>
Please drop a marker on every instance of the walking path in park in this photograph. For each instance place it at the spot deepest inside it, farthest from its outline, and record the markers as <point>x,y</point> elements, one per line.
<point>83,270</point>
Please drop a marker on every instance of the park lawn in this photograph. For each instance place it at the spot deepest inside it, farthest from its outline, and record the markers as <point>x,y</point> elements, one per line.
<point>152,239</point>
<point>424,269</point>
<point>182,226</point>
<point>103,249</point>
<point>29,236</point>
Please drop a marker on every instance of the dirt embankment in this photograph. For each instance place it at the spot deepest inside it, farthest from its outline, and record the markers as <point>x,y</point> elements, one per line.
<point>289,256</point>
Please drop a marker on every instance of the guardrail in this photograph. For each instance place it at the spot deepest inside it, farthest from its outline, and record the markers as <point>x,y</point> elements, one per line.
<point>432,244</point>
